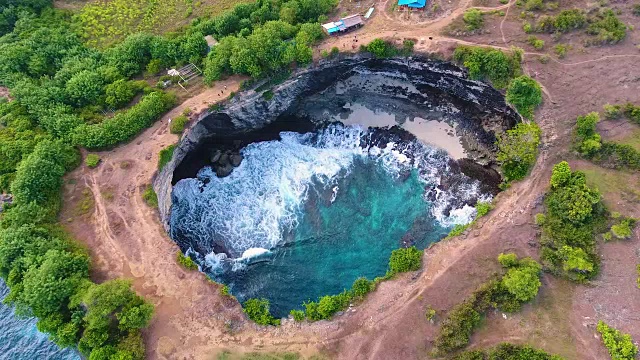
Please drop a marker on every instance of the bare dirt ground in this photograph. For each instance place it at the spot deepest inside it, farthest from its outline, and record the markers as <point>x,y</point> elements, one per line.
<point>193,321</point>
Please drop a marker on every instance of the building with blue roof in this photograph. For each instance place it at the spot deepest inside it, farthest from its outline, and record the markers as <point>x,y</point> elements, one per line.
<point>415,4</point>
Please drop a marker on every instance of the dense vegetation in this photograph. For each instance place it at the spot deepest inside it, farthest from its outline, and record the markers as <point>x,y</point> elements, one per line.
<point>264,37</point>
<point>620,345</point>
<point>63,96</point>
<point>519,284</point>
<point>12,10</point>
<point>517,150</point>
<point>506,351</point>
<point>490,64</point>
<point>610,154</point>
<point>574,215</point>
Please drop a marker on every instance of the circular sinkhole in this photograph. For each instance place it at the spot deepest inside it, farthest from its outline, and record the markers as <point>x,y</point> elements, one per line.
<point>295,197</point>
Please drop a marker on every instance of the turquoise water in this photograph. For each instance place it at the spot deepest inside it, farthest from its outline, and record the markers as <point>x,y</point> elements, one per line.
<point>335,243</point>
<point>306,215</point>
<point>20,340</point>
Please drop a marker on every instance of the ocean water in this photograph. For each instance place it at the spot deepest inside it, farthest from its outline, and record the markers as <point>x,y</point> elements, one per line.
<point>20,340</point>
<point>306,215</point>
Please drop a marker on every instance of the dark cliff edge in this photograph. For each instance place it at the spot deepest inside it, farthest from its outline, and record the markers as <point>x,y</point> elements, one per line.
<point>431,88</point>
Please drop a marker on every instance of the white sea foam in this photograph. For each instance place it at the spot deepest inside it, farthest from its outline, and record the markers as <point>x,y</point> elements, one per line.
<point>251,210</point>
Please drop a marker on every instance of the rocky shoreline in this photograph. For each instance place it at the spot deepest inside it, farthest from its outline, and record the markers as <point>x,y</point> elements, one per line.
<point>307,100</point>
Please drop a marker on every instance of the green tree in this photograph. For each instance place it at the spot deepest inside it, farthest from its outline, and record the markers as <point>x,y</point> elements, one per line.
<point>48,287</point>
<point>258,311</point>
<point>517,150</point>
<point>84,88</point>
<point>523,282</point>
<point>119,93</point>
<point>620,346</point>
<point>525,94</point>
<point>561,174</point>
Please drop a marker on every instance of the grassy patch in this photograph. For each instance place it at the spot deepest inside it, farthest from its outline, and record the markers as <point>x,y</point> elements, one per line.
<point>86,203</point>
<point>150,197</point>
<point>165,156</point>
<point>104,23</point>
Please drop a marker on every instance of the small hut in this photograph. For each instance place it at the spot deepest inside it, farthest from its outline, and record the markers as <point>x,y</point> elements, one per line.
<point>343,25</point>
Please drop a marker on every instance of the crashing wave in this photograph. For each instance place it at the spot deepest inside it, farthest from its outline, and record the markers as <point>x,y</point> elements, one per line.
<point>255,208</point>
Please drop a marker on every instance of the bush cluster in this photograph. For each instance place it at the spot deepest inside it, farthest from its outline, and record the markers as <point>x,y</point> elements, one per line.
<point>517,150</point>
<point>606,27</point>
<point>186,261</point>
<point>563,22</point>
<point>404,259</point>
<point>620,346</point>
<point>506,351</point>
<point>383,49</point>
<point>124,125</point>
<point>473,19</point>
<point>518,285</point>
<point>574,214</point>
<point>590,145</point>
<point>261,38</point>
<point>491,64</point>
<point>258,311</point>
<point>622,228</point>
<point>178,124</point>
<point>525,94</point>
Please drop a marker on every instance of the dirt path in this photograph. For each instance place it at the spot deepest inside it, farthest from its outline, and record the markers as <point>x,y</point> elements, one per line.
<point>193,321</point>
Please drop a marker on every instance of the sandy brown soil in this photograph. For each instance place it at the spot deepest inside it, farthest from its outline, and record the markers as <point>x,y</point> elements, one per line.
<point>194,322</point>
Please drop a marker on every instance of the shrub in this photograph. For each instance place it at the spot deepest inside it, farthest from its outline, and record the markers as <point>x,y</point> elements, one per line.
<point>457,328</point>
<point>517,150</point>
<point>483,208</point>
<point>298,315</point>
<point>405,259</point>
<point>361,287</point>
<point>334,51</point>
<point>523,282</point>
<point>178,124</point>
<point>527,28</point>
<point>607,28</point>
<point>565,21</point>
<point>538,44</point>
<point>149,196</point>
<point>636,9</point>
<point>561,174</point>
<point>620,345</point>
<point>165,156</point>
<point>492,64</point>
<point>186,261</point>
<point>506,351</point>
<point>561,50</point>
<point>224,290</point>
<point>508,260</point>
<point>430,313</point>
<point>474,19</point>
<point>457,230</point>
<point>540,219</point>
<point>612,111</point>
<point>381,49</point>
<point>92,160</point>
<point>258,311</point>
<point>623,230</point>
<point>154,67</point>
<point>119,93</point>
<point>525,94</point>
